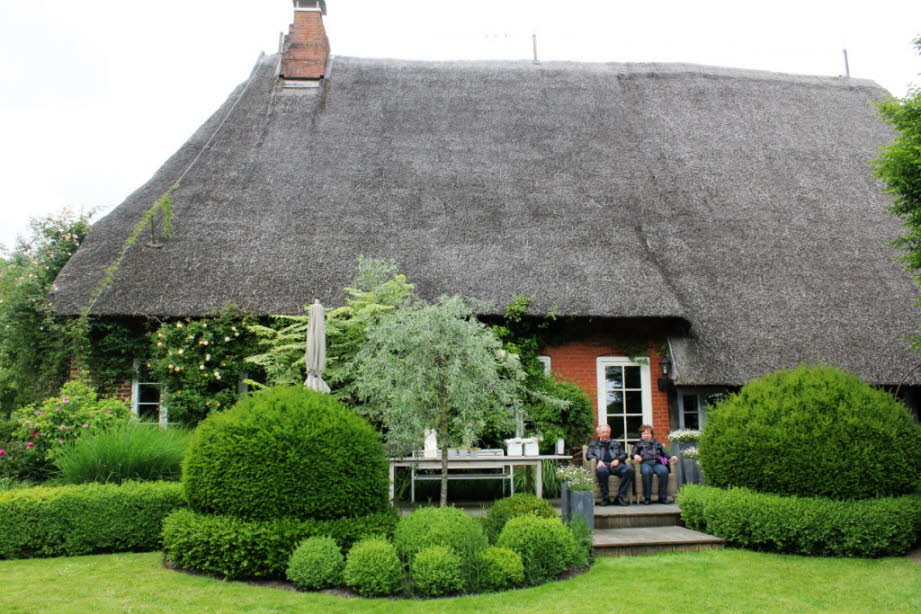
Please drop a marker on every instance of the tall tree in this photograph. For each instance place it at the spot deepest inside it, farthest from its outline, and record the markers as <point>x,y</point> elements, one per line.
<point>899,167</point>
<point>436,367</point>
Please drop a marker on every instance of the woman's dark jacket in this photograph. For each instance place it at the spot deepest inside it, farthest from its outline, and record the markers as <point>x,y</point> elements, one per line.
<point>649,450</point>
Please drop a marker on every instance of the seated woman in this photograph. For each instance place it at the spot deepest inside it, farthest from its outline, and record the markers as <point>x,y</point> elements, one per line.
<point>647,452</point>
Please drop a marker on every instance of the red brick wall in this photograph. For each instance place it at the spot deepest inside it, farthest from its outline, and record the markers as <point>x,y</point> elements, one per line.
<point>122,390</point>
<point>575,361</point>
<point>308,47</point>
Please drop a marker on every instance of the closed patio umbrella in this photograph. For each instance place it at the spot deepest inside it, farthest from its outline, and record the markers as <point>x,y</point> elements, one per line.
<point>316,349</point>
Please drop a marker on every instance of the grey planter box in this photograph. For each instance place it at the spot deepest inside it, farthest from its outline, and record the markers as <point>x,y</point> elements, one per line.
<point>564,501</point>
<point>582,505</point>
<point>690,468</point>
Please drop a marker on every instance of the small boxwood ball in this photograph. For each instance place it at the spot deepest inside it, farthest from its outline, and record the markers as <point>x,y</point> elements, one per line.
<point>286,452</point>
<point>316,563</point>
<point>546,546</point>
<point>437,571</point>
<point>500,569</point>
<point>510,507</point>
<point>439,526</point>
<point>812,431</point>
<point>373,568</point>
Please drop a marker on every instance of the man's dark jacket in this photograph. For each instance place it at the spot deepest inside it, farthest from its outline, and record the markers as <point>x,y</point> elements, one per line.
<point>596,450</point>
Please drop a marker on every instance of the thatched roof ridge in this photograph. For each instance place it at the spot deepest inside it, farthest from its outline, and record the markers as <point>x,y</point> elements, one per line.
<point>737,201</point>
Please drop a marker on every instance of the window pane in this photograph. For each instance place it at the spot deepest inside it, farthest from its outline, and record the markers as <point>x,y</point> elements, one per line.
<point>690,402</point>
<point>149,413</point>
<point>617,427</point>
<point>148,393</point>
<point>691,420</point>
<point>632,376</point>
<point>615,402</point>
<point>614,377</point>
<point>633,426</point>
<point>634,402</point>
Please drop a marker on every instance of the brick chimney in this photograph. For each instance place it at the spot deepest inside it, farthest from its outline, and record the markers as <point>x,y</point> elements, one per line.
<point>306,48</point>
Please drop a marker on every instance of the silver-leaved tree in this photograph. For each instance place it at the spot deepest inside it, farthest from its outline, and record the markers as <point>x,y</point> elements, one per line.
<point>434,366</point>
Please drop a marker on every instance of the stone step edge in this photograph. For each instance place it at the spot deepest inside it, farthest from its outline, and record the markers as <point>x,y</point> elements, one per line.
<point>671,542</point>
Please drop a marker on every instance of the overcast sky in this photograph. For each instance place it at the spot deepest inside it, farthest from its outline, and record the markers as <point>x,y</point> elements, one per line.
<point>96,94</point>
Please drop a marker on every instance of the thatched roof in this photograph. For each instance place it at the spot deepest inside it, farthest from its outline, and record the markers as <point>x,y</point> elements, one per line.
<point>739,202</point>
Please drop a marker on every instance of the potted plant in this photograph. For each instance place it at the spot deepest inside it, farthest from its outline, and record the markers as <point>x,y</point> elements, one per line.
<point>684,446</point>
<point>577,493</point>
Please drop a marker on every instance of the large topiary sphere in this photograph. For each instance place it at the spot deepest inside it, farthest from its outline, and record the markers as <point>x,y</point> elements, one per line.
<point>812,431</point>
<point>286,452</point>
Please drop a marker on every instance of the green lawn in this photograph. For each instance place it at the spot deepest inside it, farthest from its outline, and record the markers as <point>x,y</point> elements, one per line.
<point>730,580</point>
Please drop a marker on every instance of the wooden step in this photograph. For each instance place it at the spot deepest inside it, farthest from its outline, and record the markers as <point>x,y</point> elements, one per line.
<point>652,540</point>
<point>637,516</point>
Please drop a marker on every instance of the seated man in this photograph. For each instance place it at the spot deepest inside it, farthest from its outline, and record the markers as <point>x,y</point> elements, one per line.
<point>647,452</point>
<point>611,458</point>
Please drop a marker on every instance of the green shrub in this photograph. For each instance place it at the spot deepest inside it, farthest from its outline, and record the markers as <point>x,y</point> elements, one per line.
<point>505,509</point>
<point>317,563</point>
<point>812,431</point>
<point>236,548</point>
<point>124,452</point>
<point>500,569</point>
<point>84,519</point>
<point>438,526</point>
<point>546,546</point>
<point>584,540</point>
<point>573,420</point>
<point>373,568</point>
<point>286,452</point>
<point>804,525</point>
<point>437,571</point>
<point>66,417</point>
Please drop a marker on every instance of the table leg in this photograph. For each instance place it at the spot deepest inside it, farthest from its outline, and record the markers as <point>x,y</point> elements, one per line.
<point>412,485</point>
<point>391,484</point>
<point>539,476</point>
<point>511,478</point>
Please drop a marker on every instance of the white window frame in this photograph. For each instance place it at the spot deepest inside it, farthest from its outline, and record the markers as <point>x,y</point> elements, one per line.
<point>162,412</point>
<point>548,363</point>
<point>645,384</point>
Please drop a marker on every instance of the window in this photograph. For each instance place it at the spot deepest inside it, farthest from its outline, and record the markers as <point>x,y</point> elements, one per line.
<point>624,397</point>
<point>546,361</point>
<point>693,404</point>
<point>145,396</point>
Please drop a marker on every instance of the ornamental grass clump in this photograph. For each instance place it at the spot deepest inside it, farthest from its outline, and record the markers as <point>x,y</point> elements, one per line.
<point>437,571</point>
<point>812,431</point>
<point>505,509</point>
<point>546,546</point>
<point>125,452</point>
<point>373,568</point>
<point>317,563</point>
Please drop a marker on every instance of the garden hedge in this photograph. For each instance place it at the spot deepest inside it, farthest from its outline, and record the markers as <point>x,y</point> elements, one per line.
<point>236,548</point>
<point>286,452</point>
<point>812,431</point>
<point>85,518</point>
<point>803,525</point>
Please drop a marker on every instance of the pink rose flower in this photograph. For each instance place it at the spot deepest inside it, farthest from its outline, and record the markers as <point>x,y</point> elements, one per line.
<point>30,444</point>
<point>63,427</point>
<point>86,426</point>
<point>57,409</point>
<point>108,411</point>
<point>61,441</point>
<point>65,400</point>
<point>2,452</point>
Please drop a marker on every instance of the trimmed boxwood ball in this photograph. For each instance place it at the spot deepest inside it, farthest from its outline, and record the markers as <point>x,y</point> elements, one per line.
<point>286,452</point>
<point>505,509</point>
<point>437,571</point>
<point>546,546</point>
<point>812,431</point>
<point>438,526</point>
<point>815,526</point>
<point>316,563</point>
<point>373,568</point>
<point>500,569</point>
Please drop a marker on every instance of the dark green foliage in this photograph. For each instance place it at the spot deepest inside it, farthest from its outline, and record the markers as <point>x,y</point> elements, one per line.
<point>438,526</point>
<point>437,571</point>
<point>84,519</point>
<point>235,548</point>
<point>812,431</point>
<point>373,568</point>
<point>113,347</point>
<point>813,526</point>
<point>124,452</point>
<point>286,452</point>
<point>546,546</point>
<point>317,563</point>
<point>500,569</point>
<point>573,420</point>
<point>505,509</point>
<point>201,362</point>
<point>35,345</point>
<point>900,169</point>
